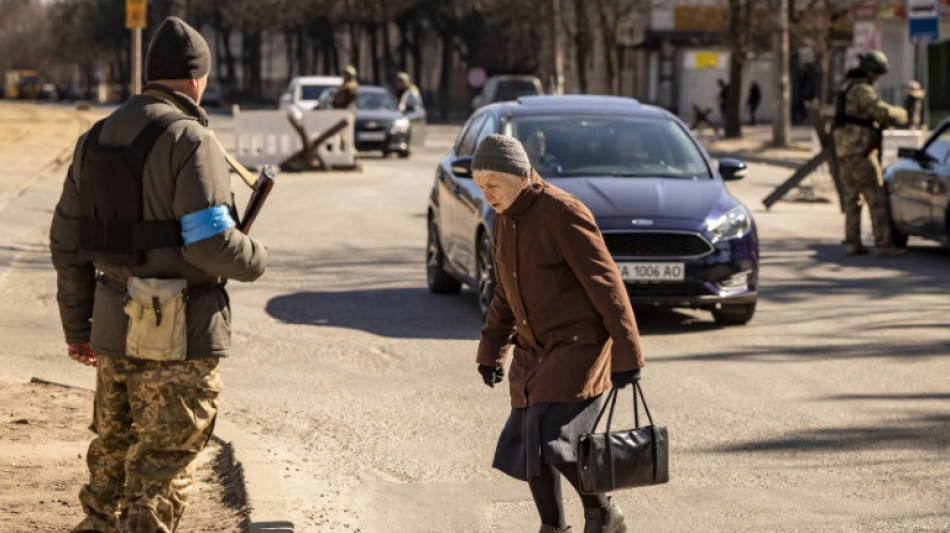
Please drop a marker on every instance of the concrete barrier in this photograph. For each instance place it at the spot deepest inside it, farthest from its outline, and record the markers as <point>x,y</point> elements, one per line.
<point>266,137</point>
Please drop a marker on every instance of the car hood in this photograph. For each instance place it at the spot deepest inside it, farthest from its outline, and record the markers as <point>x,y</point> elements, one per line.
<point>670,198</point>
<point>379,115</point>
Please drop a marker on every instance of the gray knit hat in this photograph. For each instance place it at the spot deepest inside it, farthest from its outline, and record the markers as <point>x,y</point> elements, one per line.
<point>502,154</point>
<point>177,52</point>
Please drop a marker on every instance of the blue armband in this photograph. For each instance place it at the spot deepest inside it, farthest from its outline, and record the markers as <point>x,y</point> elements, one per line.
<point>205,223</point>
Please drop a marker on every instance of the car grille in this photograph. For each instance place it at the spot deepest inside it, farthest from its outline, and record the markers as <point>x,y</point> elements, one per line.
<point>656,244</point>
<point>371,125</point>
<point>643,290</point>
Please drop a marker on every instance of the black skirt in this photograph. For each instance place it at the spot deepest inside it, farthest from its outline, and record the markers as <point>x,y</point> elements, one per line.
<point>543,433</point>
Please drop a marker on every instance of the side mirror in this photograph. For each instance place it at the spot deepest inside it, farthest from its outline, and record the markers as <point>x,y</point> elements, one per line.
<point>920,156</point>
<point>462,167</point>
<point>732,169</point>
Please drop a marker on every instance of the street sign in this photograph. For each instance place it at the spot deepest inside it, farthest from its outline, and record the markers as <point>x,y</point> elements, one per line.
<point>923,21</point>
<point>135,14</point>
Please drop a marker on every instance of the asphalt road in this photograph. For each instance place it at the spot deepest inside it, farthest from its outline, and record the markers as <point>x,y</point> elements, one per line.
<point>830,411</point>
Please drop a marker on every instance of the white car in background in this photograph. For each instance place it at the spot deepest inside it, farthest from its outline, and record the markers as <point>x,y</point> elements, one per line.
<point>304,92</point>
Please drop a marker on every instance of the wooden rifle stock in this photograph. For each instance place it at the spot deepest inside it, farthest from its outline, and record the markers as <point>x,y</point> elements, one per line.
<point>265,182</point>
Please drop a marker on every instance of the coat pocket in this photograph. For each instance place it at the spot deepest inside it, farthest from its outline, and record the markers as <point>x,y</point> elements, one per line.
<point>157,327</point>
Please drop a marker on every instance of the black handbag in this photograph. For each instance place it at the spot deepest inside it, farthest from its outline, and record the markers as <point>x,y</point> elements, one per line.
<point>623,459</point>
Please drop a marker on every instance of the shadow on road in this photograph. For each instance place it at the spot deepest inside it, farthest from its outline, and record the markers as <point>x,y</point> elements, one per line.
<point>409,313</point>
<point>823,352</point>
<point>666,321</point>
<point>928,432</point>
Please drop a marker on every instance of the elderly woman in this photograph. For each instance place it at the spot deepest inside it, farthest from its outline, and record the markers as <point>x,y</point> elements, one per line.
<point>561,303</point>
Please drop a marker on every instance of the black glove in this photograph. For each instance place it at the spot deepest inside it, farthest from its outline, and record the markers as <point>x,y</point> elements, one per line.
<point>491,374</point>
<point>622,379</point>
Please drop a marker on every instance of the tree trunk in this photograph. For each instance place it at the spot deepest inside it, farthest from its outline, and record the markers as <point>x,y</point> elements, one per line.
<point>444,75</point>
<point>739,28</point>
<point>581,43</point>
<point>252,53</point>
<point>373,30</point>
<point>608,37</point>
<point>781,115</point>
<point>388,66</point>
<point>416,49</point>
<point>556,21</point>
<point>403,45</point>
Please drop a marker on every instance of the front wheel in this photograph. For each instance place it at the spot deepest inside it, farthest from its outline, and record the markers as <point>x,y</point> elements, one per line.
<point>438,280</point>
<point>403,154</point>
<point>486,273</point>
<point>734,314</point>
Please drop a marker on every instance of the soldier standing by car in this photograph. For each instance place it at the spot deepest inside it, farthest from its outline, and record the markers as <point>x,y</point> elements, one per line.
<point>346,94</point>
<point>562,304</point>
<point>143,239</point>
<point>860,118</point>
<point>408,95</point>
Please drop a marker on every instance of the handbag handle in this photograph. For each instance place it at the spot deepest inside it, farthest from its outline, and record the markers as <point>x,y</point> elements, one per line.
<point>611,402</point>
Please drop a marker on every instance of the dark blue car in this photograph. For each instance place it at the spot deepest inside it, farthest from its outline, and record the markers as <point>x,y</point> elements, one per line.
<point>678,237</point>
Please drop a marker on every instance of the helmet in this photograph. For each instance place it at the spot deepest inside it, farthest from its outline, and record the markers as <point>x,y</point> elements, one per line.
<point>350,72</point>
<point>874,62</point>
<point>403,77</point>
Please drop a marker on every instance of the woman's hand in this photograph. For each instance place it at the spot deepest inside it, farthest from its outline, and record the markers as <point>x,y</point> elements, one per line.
<point>491,374</point>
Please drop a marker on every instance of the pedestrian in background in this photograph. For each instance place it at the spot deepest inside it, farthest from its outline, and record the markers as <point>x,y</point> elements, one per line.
<point>561,303</point>
<point>141,295</point>
<point>723,99</point>
<point>914,104</point>
<point>860,118</point>
<point>407,94</point>
<point>753,100</point>
<point>347,92</point>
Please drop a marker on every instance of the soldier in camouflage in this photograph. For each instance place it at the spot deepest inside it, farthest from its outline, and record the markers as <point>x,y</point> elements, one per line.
<point>860,117</point>
<point>152,416</point>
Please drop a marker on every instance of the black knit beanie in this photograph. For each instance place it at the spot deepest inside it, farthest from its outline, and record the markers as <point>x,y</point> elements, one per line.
<point>502,154</point>
<point>177,52</point>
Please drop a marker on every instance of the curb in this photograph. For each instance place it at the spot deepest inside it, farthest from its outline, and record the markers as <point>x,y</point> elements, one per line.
<point>263,490</point>
<point>751,158</point>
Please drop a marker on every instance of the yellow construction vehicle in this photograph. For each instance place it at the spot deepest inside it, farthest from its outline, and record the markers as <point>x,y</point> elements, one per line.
<point>22,85</point>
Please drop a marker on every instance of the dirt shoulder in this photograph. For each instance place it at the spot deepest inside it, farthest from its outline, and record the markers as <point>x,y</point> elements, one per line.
<point>43,439</point>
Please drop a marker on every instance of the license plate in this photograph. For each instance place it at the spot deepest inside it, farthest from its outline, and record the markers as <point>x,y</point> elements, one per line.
<point>371,135</point>
<point>652,271</point>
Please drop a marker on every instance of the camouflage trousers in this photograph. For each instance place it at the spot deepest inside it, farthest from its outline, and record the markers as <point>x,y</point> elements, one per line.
<point>861,178</point>
<point>151,420</point>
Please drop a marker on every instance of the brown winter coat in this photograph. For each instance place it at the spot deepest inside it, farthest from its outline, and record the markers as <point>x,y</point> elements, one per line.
<point>184,172</point>
<point>559,300</point>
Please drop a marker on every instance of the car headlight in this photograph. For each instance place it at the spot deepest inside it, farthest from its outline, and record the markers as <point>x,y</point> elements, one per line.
<point>401,125</point>
<point>730,225</point>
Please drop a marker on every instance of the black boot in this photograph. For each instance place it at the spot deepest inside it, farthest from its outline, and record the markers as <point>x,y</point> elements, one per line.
<point>552,529</point>
<point>609,520</point>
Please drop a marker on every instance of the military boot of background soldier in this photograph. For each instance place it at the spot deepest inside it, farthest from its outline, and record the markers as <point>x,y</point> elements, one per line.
<point>889,251</point>
<point>855,249</point>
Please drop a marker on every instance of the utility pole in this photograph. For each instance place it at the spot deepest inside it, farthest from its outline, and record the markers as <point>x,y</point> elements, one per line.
<point>558,87</point>
<point>781,115</point>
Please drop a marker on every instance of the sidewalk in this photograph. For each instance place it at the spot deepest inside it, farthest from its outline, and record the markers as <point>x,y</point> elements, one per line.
<point>43,444</point>
<point>755,146</point>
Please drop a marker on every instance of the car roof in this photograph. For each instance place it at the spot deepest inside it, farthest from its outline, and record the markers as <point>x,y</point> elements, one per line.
<point>302,80</point>
<point>374,89</point>
<point>576,104</point>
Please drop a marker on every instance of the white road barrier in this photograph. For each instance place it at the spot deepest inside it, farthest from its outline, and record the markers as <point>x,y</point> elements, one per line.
<point>266,137</point>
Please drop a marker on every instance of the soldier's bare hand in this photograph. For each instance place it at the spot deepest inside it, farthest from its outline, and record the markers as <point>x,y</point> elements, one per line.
<point>82,353</point>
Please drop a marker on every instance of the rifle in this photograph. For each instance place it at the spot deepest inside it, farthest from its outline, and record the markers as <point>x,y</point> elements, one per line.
<point>262,188</point>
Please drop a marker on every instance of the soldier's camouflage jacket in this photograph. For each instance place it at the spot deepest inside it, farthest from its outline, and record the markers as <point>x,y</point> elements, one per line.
<point>862,101</point>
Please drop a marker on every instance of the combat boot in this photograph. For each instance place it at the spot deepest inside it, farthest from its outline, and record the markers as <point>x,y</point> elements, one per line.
<point>889,251</point>
<point>609,520</point>
<point>552,529</point>
<point>855,249</point>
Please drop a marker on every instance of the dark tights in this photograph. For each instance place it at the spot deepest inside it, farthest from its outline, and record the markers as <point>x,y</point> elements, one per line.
<point>546,491</point>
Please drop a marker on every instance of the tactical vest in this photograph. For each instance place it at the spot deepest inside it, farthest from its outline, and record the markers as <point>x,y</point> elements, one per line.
<point>841,117</point>
<point>111,228</point>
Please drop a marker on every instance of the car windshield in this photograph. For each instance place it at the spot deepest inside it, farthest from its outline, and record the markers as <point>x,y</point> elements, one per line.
<point>312,92</point>
<point>512,89</point>
<point>623,147</point>
<point>375,100</point>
